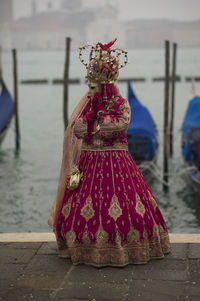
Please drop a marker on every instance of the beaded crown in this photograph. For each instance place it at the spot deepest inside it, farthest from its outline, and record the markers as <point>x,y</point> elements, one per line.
<point>104,62</point>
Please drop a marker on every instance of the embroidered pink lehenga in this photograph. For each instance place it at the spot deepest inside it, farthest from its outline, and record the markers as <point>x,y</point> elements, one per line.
<point>112,218</point>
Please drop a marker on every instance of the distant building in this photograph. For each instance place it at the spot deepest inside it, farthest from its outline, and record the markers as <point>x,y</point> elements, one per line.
<point>33,8</point>
<point>153,33</point>
<point>6,12</point>
<point>48,29</point>
<point>147,33</point>
<point>71,5</point>
<point>106,26</point>
<point>187,33</point>
<point>6,21</point>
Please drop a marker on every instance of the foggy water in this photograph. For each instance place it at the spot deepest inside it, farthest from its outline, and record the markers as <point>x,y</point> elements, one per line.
<point>28,182</point>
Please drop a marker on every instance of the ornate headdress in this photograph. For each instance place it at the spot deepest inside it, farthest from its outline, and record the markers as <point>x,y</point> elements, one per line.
<point>104,62</point>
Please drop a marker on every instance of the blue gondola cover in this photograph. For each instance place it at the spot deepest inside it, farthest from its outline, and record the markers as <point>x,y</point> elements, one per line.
<point>192,116</point>
<point>6,108</point>
<point>196,177</point>
<point>141,124</point>
<point>191,132</point>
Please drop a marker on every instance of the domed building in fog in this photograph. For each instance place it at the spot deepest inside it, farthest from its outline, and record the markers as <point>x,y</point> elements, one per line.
<point>49,28</point>
<point>106,26</point>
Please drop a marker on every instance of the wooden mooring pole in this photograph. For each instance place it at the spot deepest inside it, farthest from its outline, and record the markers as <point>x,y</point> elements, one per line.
<point>166,116</point>
<point>15,81</point>
<point>66,82</point>
<point>172,99</point>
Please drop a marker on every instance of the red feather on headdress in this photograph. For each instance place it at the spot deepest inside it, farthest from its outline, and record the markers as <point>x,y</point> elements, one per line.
<point>106,46</point>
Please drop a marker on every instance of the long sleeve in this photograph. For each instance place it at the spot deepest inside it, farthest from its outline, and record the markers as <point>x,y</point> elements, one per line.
<point>115,121</point>
<point>80,128</point>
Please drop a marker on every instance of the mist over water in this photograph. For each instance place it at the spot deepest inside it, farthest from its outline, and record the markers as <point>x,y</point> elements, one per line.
<point>28,182</point>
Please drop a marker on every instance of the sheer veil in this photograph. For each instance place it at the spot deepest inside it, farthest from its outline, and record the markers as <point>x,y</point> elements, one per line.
<point>71,155</point>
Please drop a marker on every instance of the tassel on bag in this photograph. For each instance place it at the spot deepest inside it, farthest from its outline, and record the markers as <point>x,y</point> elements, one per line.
<point>74,180</point>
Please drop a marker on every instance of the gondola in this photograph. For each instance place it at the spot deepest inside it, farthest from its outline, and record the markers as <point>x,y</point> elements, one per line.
<point>142,134</point>
<point>6,109</point>
<point>191,139</point>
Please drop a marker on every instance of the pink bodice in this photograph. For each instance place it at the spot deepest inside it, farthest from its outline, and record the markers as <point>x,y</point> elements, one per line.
<point>109,131</point>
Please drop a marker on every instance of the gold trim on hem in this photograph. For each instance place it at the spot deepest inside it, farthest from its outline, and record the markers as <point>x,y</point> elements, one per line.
<point>115,264</point>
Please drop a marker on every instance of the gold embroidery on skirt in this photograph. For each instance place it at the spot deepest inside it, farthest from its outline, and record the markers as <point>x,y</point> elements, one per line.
<point>85,237</point>
<point>87,211</point>
<point>154,203</point>
<point>139,206</point>
<point>115,210</point>
<point>70,237</point>
<point>67,208</point>
<point>101,235</point>
<point>133,235</point>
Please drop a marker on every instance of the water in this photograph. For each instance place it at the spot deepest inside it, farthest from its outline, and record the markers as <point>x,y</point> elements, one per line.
<point>28,182</point>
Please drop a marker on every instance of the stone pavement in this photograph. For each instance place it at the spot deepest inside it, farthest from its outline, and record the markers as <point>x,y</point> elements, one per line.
<point>32,271</point>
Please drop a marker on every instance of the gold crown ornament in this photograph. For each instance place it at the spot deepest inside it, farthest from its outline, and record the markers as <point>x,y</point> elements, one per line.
<point>104,62</point>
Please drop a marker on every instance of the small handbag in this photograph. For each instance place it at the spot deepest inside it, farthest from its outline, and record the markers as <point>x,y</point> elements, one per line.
<point>74,179</point>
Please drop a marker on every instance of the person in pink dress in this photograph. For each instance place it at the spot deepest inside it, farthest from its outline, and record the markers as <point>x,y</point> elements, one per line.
<point>104,213</point>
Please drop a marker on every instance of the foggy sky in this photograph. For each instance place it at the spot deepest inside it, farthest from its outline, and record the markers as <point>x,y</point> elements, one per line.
<point>128,9</point>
